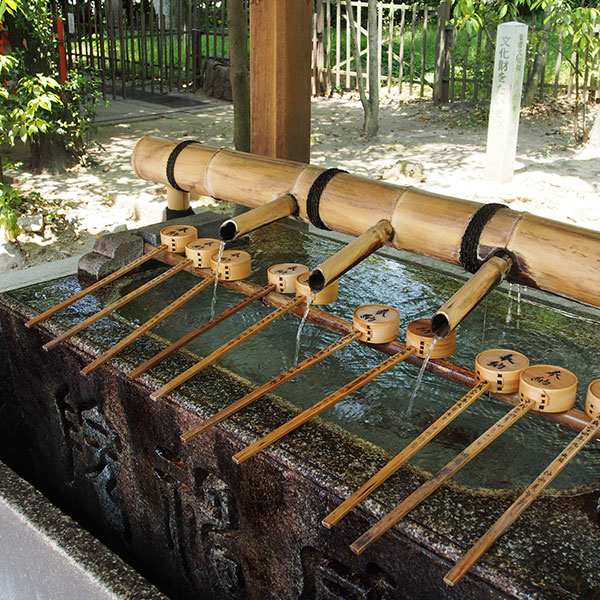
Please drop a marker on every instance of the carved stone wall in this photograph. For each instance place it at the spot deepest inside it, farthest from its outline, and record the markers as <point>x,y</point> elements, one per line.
<point>190,519</point>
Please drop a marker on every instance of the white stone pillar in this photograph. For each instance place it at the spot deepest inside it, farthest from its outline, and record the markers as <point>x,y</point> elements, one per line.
<point>509,63</point>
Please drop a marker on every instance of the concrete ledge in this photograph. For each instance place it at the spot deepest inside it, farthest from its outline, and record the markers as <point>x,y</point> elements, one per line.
<point>45,554</point>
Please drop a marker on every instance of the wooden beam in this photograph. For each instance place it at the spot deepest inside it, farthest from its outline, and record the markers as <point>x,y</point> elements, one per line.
<point>280,68</point>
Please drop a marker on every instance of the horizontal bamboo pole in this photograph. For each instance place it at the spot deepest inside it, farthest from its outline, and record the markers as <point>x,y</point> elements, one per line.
<point>551,256</point>
<point>572,418</point>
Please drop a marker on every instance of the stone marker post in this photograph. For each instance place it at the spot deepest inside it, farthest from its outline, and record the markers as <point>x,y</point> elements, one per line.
<point>509,62</point>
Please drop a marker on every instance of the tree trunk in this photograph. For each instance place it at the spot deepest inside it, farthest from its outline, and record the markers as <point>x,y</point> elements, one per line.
<point>539,64</point>
<point>370,103</point>
<point>240,82</point>
<point>372,117</point>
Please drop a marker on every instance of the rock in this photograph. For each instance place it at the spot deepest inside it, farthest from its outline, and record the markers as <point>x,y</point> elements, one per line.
<point>10,257</point>
<point>32,224</point>
<point>406,168</point>
<point>216,80</point>
<point>119,228</point>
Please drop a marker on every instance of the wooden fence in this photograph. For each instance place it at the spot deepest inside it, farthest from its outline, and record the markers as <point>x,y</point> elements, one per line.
<point>145,45</point>
<point>163,45</point>
<point>409,52</point>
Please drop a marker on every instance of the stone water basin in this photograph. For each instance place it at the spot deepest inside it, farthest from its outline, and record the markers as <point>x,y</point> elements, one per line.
<point>337,453</point>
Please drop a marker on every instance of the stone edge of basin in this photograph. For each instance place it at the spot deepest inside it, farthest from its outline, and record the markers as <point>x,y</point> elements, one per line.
<point>74,558</point>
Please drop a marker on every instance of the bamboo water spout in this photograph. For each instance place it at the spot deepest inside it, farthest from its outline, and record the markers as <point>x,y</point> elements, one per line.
<point>283,206</point>
<point>489,275</point>
<point>349,256</point>
<point>556,257</point>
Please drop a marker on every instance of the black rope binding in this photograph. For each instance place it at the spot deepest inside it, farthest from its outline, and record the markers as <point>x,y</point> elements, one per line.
<point>469,245</point>
<point>314,196</point>
<point>171,163</point>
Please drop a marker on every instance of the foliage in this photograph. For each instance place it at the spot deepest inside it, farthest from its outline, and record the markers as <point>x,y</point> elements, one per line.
<point>54,119</point>
<point>10,203</point>
<point>27,103</point>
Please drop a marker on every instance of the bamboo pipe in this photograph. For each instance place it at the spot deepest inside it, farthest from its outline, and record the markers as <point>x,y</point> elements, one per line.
<point>423,492</point>
<point>177,200</point>
<point>115,305</point>
<point>487,277</point>
<point>283,206</point>
<point>225,348</point>
<point>349,256</point>
<point>498,370</point>
<point>319,407</point>
<point>192,335</point>
<point>518,507</point>
<point>159,317</point>
<point>270,385</point>
<point>552,256</point>
<point>97,285</point>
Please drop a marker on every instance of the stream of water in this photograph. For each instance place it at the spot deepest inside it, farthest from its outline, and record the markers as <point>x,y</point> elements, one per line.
<point>301,326</point>
<point>213,303</point>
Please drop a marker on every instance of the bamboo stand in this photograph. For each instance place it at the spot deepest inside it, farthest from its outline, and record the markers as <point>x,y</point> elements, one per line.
<point>543,387</point>
<point>498,371</point>
<point>518,507</point>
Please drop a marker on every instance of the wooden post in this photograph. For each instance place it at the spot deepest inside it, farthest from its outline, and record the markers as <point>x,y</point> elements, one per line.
<point>280,69</point>
<point>443,43</point>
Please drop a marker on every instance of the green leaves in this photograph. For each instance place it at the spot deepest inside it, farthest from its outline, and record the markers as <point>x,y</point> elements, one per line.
<point>27,105</point>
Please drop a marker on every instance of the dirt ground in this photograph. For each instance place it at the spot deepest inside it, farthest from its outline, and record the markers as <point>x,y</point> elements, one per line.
<point>440,149</point>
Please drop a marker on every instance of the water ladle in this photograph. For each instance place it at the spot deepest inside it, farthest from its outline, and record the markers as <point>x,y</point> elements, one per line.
<point>543,388</point>
<point>496,370</point>
<point>302,290</point>
<point>518,507</point>
<point>174,239</point>
<point>372,323</point>
<point>344,391</point>
<point>200,252</point>
<point>485,279</point>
